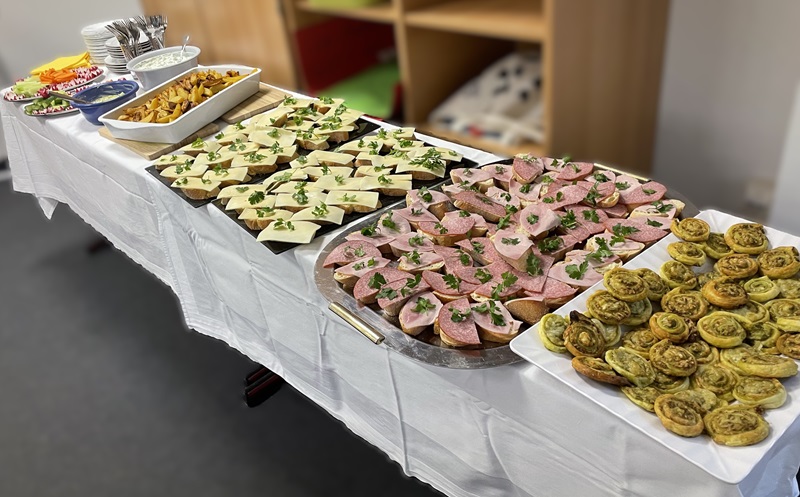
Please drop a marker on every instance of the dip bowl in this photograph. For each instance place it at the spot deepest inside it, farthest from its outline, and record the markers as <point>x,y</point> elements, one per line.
<point>154,76</point>
<point>124,91</point>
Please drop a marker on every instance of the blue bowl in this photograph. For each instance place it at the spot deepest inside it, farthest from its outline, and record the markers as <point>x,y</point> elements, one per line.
<point>92,112</point>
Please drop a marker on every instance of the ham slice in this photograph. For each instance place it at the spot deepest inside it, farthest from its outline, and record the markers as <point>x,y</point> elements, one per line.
<point>589,278</point>
<point>486,290</point>
<point>404,292</point>
<point>481,249</point>
<point>415,213</point>
<point>544,219</point>
<point>553,290</point>
<point>402,243</point>
<point>586,222</point>
<point>527,193</point>
<point>413,322</point>
<point>580,256</point>
<point>661,223</point>
<point>602,176</point>
<point>462,332</point>
<point>648,192</point>
<point>644,234</point>
<point>452,253</point>
<point>512,246</point>
<point>526,168</point>
<point>480,204</point>
<point>367,286</point>
<point>503,197</point>
<point>425,259</point>
<point>650,210</point>
<point>483,320</point>
<point>469,176</point>
<point>362,266</point>
<point>438,283</point>
<point>435,197</point>
<point>534,283</point>
<point>393,224</point>
<point>378,239</point>
<point>617,211</point>
<point>570,194</point>
<point>501,173</point>
<point>553,164</point>
<point>348,252</point>
<point>575,171</point>
<point>626,248</point>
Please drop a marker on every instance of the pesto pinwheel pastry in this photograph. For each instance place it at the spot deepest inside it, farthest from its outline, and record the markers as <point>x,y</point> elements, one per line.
<point>598,370</point>
<point>765,392</point>
<point>736,425</point>
<point>701,399</point>
<point>678,275</point>
<point>764,336</point>
<point>703,278</point>
<point>747,238</point>
<point>690,229</point>
<point>643,397</point>
<point>611,332</point>
<point>779,263</point>
<point>625,285</point>
<point>749,314</point>
<point>789,345</point>
<point>715,247</point>
<point>688,253</point>
<point>669,326</point>
<point>656,287</point>
<point>551,332</point>
<point>582,338</point>
<point>689,304</point>
<point>670,384</point>
<point>678,416</point>
<point>607,308</point>
<point>785,313</point>
<point>672,360</point>
<point>790,289</point>
<point>716,378</point>
<point>721,330</point>
<point>725,293</point>
<point>640,341</point>
<point>737,266</point>
<point>767,365</point>
<point>761,289</point>
<point>703,353</point>
<point>631,365</point>
<point>641,311</point>
<point>730,358</point>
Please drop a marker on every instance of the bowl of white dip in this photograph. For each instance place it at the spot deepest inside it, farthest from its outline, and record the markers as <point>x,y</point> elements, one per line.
<point>153,68</point>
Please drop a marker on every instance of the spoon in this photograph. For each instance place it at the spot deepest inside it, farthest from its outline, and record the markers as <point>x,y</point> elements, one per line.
<point>185,41</point>
<point>68,97</point>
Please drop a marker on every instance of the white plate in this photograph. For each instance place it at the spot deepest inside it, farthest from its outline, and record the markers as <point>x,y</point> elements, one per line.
<point>729,464</point>
<point>89,81</point>
<point>53,114</point>
<point>193,120</point>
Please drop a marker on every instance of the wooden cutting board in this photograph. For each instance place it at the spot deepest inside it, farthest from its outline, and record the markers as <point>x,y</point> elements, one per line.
<point>267,98</point>
<point>152,151</point>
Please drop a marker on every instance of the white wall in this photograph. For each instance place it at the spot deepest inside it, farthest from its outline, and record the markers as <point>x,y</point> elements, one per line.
<point>730,72</point>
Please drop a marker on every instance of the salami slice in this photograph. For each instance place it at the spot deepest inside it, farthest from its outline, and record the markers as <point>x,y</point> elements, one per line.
<point>588,220</point>
<point>639,232</point>
<point>450,285</point>
<point>553,164</point>
<point>651,191</point>
<point>480,225</point>
<point>553,290</point>
<point>348,252</point>
<point>495,322</point>
<point>526,168</point>
<point>415,213</point>
<point>362,266</point>
<point>481,249</point>
<point>370,284</point>
<point>568,195</point>
<point>479,204</point>
<point>459,326</point>
<point>540,267</point>
<point>575,171</point>
<point>602,176</point>
<point>475,275</point>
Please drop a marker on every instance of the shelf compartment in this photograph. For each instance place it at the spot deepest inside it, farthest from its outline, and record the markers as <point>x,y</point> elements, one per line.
<point>382,13</point>
<point>494,147</point>
<point>518,20</point>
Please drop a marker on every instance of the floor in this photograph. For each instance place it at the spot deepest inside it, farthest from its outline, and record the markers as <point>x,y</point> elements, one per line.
<point>104,391</point>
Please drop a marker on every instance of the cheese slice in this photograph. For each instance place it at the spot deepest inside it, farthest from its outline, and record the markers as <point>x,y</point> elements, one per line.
<point>224,157</point>
<point>265,159</point>
<point>331,158</point>
<point>172,160</point>
<point>402,133</point>
<point>242,147</point>
<point>303,161</point>
<point>329,183</point>
<point>319,172</point>
<point>240,190</point>
<point>274,117</point>
<point>284,200</point>
<point>230,138</point>
<point>316,142</point>
<point>293,186</point>
<point>186,171</point>
<point>288,175</point>
<point>408,146</point>
<point>237,174</point>
<point>364,145</point>
<point>284,154</point>
<point>329,131</point>
<point>348,116</point>
<point>201,147</point>
<point>393,181</point>
<point>243,202</point>
<point>324,107</point>
<point>195,184</point>
<point>297,232</point>
<point>366,199</point>
<point>329,214</point>
<point>373,170</point>
<point>268,136</point>
<point>449,154</point>
<point>296,103</point>
<point>302,125</point>
<point>264,213</point>
<point>406,166</point>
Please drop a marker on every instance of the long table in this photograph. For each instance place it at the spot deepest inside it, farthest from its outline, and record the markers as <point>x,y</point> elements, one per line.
<point>505,431</point>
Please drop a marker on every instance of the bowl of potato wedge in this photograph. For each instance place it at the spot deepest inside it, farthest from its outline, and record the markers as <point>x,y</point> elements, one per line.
<point>185,103</point>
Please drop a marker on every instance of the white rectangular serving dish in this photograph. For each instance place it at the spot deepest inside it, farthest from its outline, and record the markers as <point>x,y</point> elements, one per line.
<point>193,120</point>
<point>729,464</point>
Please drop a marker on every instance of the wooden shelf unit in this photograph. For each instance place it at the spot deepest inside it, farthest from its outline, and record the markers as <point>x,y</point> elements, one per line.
<point>382,12</point>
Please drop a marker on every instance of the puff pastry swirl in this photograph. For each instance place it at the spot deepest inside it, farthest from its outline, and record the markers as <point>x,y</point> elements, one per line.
<point>689,253</point>
<point>790,289</point>
<point>725,293</point>
<point>767,365</point>
<point>607,308</point>
<point>779,263</point>
<point>736,426</point>
<point>656,287</point>
<point>685,303</point>
<point>632,366</point>
<point>789,345</point>
<point>703,353</point>
<point>721,330</point>
<point>582,338</point>
<point>761,289</point>
<point>598,370</point>
<point>690,229</point>
<point>716,378</point>
<point>785,313</point>
<point>768,393</point>
<point>666,325</point>
<point>640,312</point>
<point>677,275</point>
<point>625,285</point>
<point>643,397</point>
<point>678,416</point>
<point>701,399</point>
<point>672,360</point>
<point>715,247</point>
<point>551,332</point>
<point>747,238</point>
<point>640,341</point>
<point>737,266</point>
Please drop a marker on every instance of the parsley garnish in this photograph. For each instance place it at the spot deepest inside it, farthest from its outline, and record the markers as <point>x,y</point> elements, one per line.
<point>382,179</point>
<point>483,275</point>
<point>300,196</point>
<point>600,177</point>
<point>425,195</point>
<point>452,281</point>
<point>591,215</point>
<point>548,200</point>
<point>289,100</point>
<point>532,218</point>
<point>304,160</point>
<point>593,195</point>
<point>387,292</point>
<point>509,279</point>
<point>239,126</point>
<point>389,223</point>
<point>549,244</point>
<point>504,221</point>
<point>533,265</point>
<point>348,198</point>
<point>559,196</point>
<point>423,305</point>
<point>546,180</point>
<point>212,156</point>
<point>256,197</point>
<point>510,241</point>
<point>242,189</point>
<point>648,191</point>
<point>458,316</point>
<point>276,148</point>
<point>416,241</point>
<point>263,211</point>
<point>320,211</point>
<point>526,188</point>
<point>569,221</point>
<point>494,312</point>
<point>410,284</point>
<point>376,281</point>
<point>416,212</point>
<point>576,272</point>
<point>463,213</point>
<point>662,207</point>
<point>499,169</point>
<point>198,143</point>
<point>620,232</point>
<point>652,222</point>
<point>382,135</point>
<point>220,135</point>
<point>622,185</point>
<point>369,230</point>
<point>280,224</point>
<point>440,228</point>
<point>339,179</point>
<point>477,247</point>
<point>413,256</point>
<point>359,251</point>
<point>602,252</point>
<point>464,258</point>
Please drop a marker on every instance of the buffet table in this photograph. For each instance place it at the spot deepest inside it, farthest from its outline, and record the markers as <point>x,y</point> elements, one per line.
<point>511,430</point>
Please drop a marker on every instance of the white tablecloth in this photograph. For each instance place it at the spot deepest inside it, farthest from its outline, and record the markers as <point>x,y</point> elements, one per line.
<point>507,431</point>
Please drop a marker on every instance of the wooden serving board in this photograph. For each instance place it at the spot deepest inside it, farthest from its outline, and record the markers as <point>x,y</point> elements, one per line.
<point>267,98</point>
<point>152,151</point>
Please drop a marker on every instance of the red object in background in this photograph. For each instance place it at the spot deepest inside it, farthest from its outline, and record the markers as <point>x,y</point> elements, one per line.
<point>337,49</point>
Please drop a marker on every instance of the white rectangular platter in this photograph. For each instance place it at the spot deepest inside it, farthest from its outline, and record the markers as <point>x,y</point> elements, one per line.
<point>192,120</point>
<point>729,464</point>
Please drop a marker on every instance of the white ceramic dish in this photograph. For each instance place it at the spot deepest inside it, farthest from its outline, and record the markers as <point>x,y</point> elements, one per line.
<point>729,464</point>
<point>150,78</point>
<point>193,120</point>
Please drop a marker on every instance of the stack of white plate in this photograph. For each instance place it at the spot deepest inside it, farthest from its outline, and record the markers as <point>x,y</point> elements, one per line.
<point>116,58</point>
<point>95,37</point>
